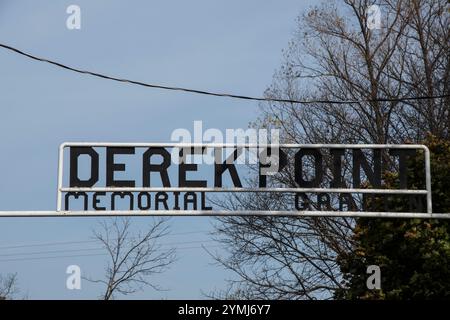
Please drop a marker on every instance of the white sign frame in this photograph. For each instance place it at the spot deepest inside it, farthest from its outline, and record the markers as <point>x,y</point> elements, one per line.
<point>61,189</point>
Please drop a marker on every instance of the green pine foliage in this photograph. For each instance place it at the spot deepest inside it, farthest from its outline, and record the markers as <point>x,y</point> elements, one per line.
<point>413,254</point>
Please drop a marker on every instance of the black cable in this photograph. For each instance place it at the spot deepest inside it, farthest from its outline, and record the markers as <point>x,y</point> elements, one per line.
<point>45,244</point>
<point>94,254</point>
<point>203,92</point>
<point>95,249</point>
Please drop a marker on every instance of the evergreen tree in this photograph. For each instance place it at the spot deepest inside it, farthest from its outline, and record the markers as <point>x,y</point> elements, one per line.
<point>413,254</point>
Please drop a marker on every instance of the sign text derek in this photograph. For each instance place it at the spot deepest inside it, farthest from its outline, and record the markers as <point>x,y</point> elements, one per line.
<point>308,177</point>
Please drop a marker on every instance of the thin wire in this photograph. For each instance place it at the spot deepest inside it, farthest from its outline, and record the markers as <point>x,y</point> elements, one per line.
<point>55,257</point>
<point>84,241</point>
<point>94,254</point>
<point>94,249</point>
<point>210,93</point>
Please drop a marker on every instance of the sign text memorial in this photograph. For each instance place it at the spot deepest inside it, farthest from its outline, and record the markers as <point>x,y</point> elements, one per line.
<point>193,179</point>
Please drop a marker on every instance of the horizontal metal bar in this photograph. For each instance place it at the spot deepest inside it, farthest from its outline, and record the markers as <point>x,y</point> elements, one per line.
<point>238,213</point>
<point>241,145</point>
<point>290,190</point>
<point>355,214</point>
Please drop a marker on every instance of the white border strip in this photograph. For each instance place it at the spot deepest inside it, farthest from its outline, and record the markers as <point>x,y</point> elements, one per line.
<point>201,189</point>
<point>64,145</point>
<point>91,213</point>
<point>354,214</point>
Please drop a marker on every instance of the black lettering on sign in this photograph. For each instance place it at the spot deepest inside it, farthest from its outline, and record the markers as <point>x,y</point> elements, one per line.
<point>184,167</point>
<point>282,162</point>
<point>121,195</point>
<point>96,201</point>
<point>403,156</point>
<point>144,196</point>
<point>75,153</point>
<point>373,175</point>
<point>312,168</point>
<point>318,169</point>
<point>148,167</point>
<point>337,155</point>
<point>76,195</point>
<point>161,197</point>
<point>220,168</point>
<point>112,167</point>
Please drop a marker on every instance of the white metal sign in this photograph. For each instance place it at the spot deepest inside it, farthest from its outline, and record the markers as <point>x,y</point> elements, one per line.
<point>337,180</point>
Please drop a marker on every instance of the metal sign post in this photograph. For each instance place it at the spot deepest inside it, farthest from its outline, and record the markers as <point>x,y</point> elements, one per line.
<point>83,189</point>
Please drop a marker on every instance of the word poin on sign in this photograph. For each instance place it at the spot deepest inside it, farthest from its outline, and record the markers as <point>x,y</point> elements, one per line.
<point>156,182</point>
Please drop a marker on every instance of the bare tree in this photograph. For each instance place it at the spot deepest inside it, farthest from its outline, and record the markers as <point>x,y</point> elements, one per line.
<point>133,257</point>
<point>8,286</point>
<point>335,56</point>
<point>278,257</point>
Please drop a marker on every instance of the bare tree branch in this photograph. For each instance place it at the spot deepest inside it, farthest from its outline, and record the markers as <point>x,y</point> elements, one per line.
<point>335,56</point>
<point>8,286</point>
<point>133,259</point>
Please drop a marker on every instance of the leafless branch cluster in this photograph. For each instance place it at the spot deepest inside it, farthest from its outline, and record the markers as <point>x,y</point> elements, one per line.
<point>335,56</point>
<point>8,286</point>
<point>133,257</point>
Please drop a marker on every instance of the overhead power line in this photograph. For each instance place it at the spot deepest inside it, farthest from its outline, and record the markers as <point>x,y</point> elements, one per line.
<point>211,93</point>
<point>97,249</point>
<point>94,254</point>
<point>45,244</point>
<point>55,257</point>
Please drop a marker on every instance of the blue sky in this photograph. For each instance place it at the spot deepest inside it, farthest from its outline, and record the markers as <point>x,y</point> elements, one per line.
<point>228,46</point>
